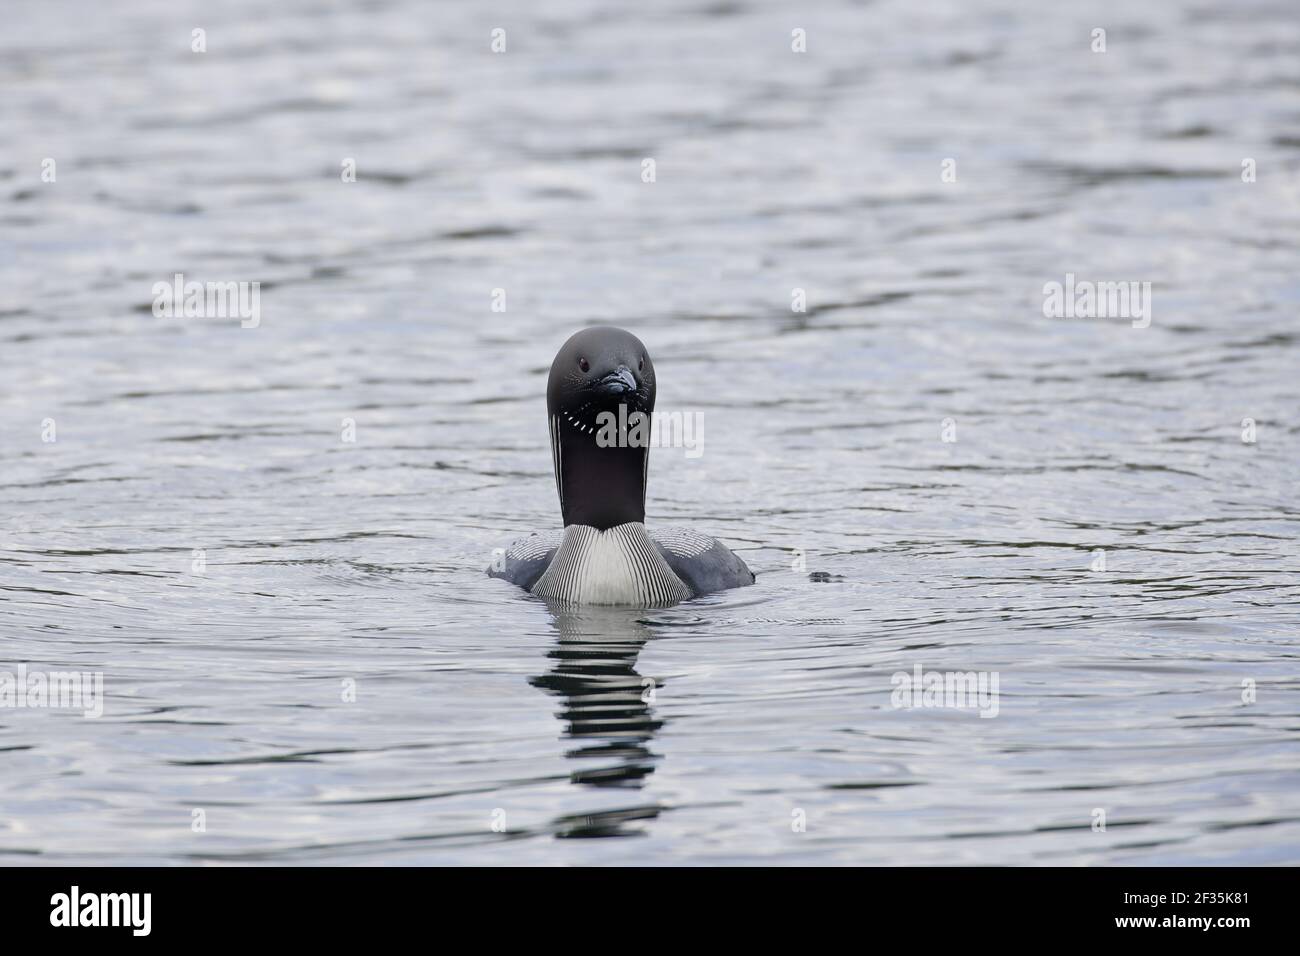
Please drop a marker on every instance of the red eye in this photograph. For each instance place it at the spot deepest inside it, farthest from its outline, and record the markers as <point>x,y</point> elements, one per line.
<point>584,365</point>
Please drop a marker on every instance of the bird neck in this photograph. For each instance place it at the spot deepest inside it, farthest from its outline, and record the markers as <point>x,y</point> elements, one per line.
<point>599,486</point>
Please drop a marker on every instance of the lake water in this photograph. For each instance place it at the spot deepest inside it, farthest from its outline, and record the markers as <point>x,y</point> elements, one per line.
<point>303,661</point>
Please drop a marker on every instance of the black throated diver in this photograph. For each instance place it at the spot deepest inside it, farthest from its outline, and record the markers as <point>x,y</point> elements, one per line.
<point>605,555</point>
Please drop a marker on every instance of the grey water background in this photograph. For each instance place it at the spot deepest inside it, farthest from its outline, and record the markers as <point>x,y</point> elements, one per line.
<point>330,562</point>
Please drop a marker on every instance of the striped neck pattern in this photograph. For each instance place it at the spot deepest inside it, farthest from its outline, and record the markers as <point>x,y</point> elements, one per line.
<point>620,565</point>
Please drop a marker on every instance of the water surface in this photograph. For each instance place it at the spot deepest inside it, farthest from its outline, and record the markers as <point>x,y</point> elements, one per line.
<point>703,733</point>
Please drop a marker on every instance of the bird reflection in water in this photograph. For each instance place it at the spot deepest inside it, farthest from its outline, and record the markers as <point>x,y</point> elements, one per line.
<point>606,706</point>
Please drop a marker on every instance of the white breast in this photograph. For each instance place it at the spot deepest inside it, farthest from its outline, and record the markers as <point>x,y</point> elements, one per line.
<point>618,566</point>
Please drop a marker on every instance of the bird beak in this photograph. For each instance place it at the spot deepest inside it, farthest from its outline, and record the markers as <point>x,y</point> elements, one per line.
<point>618,382</point>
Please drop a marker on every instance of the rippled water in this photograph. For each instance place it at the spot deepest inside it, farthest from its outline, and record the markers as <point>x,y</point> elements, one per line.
<point>332,565</point>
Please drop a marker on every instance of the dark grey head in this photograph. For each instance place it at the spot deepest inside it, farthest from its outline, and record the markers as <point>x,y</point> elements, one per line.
<point>601,482</point>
